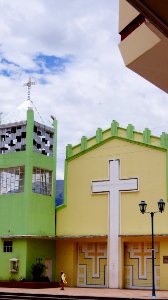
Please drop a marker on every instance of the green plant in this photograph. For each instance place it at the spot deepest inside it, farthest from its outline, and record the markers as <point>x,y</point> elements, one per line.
<point>37,270</point>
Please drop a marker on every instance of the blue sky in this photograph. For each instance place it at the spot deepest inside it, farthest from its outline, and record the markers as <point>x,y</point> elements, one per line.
<point>43,65</point>
<point>70,49</point>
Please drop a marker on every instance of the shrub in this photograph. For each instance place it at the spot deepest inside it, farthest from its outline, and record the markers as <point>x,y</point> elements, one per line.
<point>37,270</point>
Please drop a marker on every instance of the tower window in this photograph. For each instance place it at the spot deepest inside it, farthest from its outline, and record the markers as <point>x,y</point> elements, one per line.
<point>42,181</point>
<point>7,246</point>
<point>11,180</point>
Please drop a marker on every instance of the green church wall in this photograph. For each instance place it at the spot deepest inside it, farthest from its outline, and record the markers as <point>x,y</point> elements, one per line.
<point>19,252</point>
<point>26,251</point>
<point>12,215</point>
<point>20,213</point>
<point>41,215</point>
<point>43,249</point>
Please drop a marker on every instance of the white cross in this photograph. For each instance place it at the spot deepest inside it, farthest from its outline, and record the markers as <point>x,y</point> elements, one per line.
<point>29,84</point>
<point>113,186</point>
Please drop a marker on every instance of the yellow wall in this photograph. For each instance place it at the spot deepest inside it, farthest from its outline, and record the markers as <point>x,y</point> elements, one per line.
<point>163,266</point>
<point>66,260</point>
<point>87,214</point>
<point>163,246</point>
<point>67,257</point>
<point>149,165</point>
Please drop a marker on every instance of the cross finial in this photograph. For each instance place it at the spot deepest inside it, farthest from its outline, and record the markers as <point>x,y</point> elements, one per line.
<point>29,84</point>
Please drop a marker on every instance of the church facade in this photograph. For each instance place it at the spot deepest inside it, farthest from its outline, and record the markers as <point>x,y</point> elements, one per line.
<point>102,239</point>
<point>98,235</point>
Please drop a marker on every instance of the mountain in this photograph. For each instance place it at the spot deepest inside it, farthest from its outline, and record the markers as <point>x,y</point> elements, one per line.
<point>59,192</point>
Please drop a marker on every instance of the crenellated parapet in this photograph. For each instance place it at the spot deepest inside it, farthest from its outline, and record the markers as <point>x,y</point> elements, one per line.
<point>115,131</point>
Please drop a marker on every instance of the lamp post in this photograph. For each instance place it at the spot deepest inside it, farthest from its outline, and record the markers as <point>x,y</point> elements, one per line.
<point>161,206</point>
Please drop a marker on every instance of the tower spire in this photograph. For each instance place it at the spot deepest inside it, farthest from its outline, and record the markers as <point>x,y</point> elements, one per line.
<point>29,84</point>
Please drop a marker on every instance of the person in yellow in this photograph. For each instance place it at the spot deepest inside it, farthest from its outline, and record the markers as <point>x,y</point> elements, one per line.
<point>63,280</point>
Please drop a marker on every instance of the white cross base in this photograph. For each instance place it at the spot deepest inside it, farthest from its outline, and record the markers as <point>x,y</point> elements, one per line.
<point>113,186</point>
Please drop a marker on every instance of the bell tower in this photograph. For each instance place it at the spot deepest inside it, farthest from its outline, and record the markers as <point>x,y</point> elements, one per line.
<point>27,193</point>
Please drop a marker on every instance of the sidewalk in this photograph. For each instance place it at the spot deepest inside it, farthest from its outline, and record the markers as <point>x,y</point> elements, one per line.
<point>91,292</point>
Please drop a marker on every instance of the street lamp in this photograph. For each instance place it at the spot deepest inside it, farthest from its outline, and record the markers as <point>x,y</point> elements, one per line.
<point>161,206</point>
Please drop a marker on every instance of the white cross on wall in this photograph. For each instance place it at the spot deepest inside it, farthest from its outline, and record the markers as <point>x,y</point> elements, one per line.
<point>113,186</point>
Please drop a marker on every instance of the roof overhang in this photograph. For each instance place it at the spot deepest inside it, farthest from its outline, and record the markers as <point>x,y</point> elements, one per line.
<point>144,39</point>
<point>155,11</point>
<point>39,237</point>
<point>83,238</point>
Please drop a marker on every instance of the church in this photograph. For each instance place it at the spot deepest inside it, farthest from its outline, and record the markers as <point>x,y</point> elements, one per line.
<point>102,238</point>
<point>98,235</point>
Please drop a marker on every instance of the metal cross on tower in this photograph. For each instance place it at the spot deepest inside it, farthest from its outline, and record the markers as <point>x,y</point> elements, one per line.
<point>29,84</point>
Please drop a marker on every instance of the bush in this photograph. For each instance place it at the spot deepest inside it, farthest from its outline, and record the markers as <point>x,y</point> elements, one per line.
<point>37,271</point>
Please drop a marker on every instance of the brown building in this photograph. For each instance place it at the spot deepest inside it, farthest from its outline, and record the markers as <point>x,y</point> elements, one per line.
<point>143,26</point>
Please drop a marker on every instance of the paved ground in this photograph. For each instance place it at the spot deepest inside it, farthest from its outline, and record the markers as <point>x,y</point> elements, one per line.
<point>92,292</point>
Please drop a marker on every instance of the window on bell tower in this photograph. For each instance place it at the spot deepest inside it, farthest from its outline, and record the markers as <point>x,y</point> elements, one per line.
<point>11,180</point>
<point>42,181</point>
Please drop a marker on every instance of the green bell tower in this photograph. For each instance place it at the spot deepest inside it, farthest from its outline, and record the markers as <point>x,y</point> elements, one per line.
<point>27,196</point>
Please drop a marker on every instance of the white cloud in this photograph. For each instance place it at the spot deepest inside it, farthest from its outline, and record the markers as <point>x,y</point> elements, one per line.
<point>95,86</point>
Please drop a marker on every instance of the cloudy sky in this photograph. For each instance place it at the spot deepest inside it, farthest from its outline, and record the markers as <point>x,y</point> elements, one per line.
<point>70,49</point>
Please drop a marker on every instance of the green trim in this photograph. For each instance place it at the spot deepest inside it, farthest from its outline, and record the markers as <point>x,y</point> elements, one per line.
<point>99,135</point>
<point>130,132</point>
<point>114,127</point>
<point>119,138</point>
<point>83,143</point>
<point>147,136</point>
<point>164,140</point>
<point>69,152</point>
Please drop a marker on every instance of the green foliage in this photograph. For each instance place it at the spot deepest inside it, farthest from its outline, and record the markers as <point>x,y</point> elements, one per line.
<point>37,271</point>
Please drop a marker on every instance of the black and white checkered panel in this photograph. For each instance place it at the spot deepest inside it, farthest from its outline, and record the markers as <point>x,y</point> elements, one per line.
<point>12,137</point>
<point>43,139</point>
